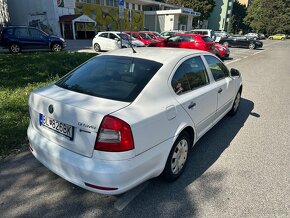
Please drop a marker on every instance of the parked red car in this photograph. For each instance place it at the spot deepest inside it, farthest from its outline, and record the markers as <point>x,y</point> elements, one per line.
<point>143,37</point>
<point>187,40</point>
<point>154,35</point>
<point>222,51</point>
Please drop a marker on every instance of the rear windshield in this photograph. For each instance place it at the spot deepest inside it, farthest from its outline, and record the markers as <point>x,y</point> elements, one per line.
<point>111,77</point>
<point>206,39</point>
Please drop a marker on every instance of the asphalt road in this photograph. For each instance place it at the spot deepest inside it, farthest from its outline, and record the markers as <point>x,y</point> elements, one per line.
<point>240,168</point>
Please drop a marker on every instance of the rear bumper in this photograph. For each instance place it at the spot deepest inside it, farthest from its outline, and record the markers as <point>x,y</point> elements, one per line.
<point>77,169</point>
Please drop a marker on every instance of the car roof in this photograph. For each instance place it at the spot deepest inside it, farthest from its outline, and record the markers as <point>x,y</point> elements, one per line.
<point>189,34</point>
<point>161,55</point>
<point>13,26</point>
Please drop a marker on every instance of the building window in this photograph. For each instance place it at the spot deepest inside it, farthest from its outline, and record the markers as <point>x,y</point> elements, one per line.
<point>133,6</point>
<point>139,7</point>
<point>127,5</point>
<point>110,3</point>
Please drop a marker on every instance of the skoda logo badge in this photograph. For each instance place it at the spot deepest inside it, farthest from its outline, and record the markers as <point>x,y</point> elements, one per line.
<point>50,109</point>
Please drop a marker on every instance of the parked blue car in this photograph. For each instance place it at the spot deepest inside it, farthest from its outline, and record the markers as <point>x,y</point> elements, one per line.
<point>18,38</point>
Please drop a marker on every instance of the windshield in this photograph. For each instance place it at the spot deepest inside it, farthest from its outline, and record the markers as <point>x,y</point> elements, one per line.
<point>111,77</point>
<point>145,36</point>
<point>124,36</point>
<point>207,39</point>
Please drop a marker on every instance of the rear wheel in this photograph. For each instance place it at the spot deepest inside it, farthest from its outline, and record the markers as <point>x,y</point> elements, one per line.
<point>14,48</point>
<point>283,38</point>
<point>97,47</point>
<point>252,46</point>
<point>271,38</point>
<point>177,158</point>
<point>56,47</point>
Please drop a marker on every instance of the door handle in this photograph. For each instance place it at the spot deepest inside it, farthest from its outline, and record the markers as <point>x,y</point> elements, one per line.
<point>220,90</point>
<point>192,105</point>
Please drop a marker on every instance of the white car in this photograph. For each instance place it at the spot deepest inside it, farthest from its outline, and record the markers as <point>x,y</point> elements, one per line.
<point>110,40</point>
<point>122,118</point>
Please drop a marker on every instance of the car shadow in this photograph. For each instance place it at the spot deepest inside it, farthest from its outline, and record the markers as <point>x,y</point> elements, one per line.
<point>185,196</point>
<point>196,183</point>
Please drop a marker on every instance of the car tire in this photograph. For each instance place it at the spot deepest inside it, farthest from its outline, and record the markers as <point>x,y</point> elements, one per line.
<point>252,46</point>
<point>177,157</point>
<point>97,47</point>
<point>236,104</point>
<point>15,48</point>
<point>56,47</point>
<point>283,38</point>
<point>271,38</point>
<point>226,44</point>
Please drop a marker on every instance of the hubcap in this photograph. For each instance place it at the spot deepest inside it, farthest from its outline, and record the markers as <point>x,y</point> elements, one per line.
<point>57,47</point>
<point>252,46</point>
<point>179,156</point>
<point>15,48</point>
<point>237,101</point>
<point>97,47</point>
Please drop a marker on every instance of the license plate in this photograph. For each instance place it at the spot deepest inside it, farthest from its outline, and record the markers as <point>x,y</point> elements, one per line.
<point>57,126</point>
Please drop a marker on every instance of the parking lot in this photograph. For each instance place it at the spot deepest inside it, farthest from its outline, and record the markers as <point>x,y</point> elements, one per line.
<point>240,168</point>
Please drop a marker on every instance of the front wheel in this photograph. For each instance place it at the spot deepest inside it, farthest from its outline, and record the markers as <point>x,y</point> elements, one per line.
<point>177,158</point>
<point>56,47</point>
<point>97,47</point>
<point>14,48</point>
<point>252,46</point>
<point>236,104</point>
<point>271,38</point>
<point>283,38</point>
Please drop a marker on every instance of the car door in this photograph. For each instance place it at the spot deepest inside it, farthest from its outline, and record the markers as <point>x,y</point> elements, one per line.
<point>243,42</point>
<point>112,43</point>
<point>224,85</point>
<point>103,41</point>
<point>22,37</point>
<point>195,93</point>
<point>39,40</point>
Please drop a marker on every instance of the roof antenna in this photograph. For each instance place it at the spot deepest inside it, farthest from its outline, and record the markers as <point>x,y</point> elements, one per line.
<point>130,20</point>
<point>130,42</point>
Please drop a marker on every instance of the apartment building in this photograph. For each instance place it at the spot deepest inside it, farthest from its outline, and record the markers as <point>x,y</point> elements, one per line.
<point>79,19</point>
<point>221,15</point>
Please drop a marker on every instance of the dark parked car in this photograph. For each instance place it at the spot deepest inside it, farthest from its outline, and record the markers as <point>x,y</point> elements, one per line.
<point>241,41</point>
<point>18,38</point>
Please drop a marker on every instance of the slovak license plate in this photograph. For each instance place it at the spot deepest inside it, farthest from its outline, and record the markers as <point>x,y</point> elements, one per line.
<point>57,126</point>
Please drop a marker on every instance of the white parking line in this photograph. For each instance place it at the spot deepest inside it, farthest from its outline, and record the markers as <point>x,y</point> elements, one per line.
<point>258,52</point>
<point>233,61</point>
<point>123,201</point>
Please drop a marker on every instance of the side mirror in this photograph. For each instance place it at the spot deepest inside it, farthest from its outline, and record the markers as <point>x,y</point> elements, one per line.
<point>235,72</point>
<point>117,39</point>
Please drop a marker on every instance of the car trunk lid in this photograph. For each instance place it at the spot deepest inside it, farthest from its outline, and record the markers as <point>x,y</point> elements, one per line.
<point>79,114</point>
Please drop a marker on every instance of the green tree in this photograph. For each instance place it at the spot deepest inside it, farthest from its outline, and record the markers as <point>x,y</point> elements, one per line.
<point>236,23</point>
<point>268,16</point>
<point>205,7</point>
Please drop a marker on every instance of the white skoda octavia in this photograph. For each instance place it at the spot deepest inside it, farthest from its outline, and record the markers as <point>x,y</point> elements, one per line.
<point>123,117</point>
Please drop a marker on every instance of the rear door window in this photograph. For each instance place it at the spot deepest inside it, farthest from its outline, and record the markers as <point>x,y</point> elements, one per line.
<point>21,32</point>
<point>206,39</point>
<point>111,77</point>
<point>190,75</point>
<point>218,69</point>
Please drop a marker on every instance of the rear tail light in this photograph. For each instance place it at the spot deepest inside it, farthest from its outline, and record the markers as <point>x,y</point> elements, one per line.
<point>114,135</point>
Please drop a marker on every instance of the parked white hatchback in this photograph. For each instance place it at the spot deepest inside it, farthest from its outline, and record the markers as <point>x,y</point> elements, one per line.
<point>110,40</point>
<point>126,116</point>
